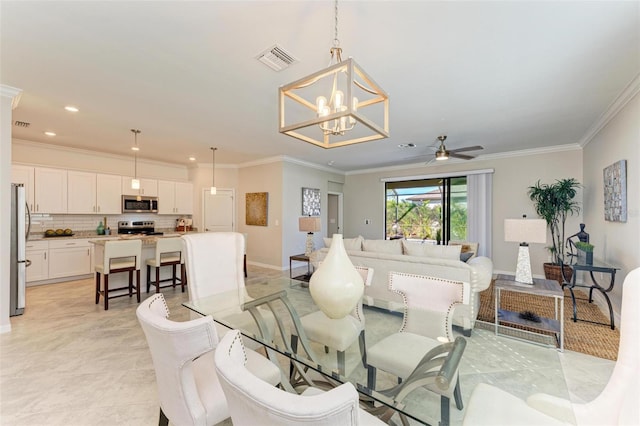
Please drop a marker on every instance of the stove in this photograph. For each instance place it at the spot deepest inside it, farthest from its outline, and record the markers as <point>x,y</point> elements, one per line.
<point>143,227</point>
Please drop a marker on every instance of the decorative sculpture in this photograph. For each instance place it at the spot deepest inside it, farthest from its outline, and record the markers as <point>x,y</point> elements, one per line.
<point>336,286</point>
<point>581,235</point>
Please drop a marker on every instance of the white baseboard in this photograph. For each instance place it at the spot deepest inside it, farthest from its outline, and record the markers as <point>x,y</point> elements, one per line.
<point>5,328</point>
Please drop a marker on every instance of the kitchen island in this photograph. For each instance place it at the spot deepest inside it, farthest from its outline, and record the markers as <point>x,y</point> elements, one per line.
<point>148,252</point>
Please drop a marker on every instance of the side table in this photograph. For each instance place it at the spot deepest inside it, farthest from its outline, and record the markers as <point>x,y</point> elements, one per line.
<point>301,258</point>
<point>596,266</point>
<point>540,287</point>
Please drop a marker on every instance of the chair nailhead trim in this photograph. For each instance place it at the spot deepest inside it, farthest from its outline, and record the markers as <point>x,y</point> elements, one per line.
<point>160,297</point>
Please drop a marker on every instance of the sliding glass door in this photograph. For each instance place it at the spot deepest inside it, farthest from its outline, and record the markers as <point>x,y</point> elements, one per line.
<point>433,210</point>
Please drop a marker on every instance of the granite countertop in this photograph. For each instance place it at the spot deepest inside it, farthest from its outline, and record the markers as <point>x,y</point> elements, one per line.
<point>39,236</point>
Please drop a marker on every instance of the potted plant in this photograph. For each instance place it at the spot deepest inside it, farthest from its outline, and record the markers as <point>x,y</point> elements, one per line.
<point>554,203</point>
<point>585,252</point>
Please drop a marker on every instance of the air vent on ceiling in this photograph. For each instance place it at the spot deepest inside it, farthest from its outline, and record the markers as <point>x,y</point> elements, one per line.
<point>18,123</point>
<point>276,58</point>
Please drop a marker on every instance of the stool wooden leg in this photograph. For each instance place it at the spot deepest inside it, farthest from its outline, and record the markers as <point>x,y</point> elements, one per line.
<point>173,277</point>
<point>130,283</point>
<point>106,292</point>
<point>148,278</point>
<point>97,287</point>
<point>138,284</point>
<point>183,276</point>
<point>157,279</point>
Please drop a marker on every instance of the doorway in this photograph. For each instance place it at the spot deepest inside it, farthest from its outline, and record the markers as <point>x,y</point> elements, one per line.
<point>334,213</point>
<point>218,211</point>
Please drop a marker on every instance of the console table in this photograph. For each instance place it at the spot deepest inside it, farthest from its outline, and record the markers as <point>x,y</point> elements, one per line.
<point>540,287</point>
<point>596,266</point>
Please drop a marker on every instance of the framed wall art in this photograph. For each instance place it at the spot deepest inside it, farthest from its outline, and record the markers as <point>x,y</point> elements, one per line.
<point>310,202</point>
<point>257,206</point>
<point>615,192</point>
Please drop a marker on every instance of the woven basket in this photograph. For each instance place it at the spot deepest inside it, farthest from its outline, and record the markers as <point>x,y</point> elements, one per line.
<point>552,272</point>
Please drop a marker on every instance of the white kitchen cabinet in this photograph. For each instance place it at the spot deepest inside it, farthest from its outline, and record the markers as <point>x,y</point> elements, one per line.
<point>81,192</point>
<point>108,194</point>
<point>37,253</point>
<point>148,187</point>
<point>25,176</point>
<point>50,190</point>
<point>175,197</point>
<point>89,193</point>
<point>68,258</point>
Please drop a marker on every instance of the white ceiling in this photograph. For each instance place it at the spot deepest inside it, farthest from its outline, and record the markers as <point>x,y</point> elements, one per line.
<point>506,75</point>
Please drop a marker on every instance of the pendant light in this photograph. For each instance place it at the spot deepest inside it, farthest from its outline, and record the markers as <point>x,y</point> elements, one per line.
<point>213,171</point>
<point>135,182</point>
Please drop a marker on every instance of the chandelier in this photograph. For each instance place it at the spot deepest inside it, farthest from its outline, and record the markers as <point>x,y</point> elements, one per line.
<point>336,106</point>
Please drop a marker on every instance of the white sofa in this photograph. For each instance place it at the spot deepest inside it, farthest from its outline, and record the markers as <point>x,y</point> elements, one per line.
<point>385,256</point>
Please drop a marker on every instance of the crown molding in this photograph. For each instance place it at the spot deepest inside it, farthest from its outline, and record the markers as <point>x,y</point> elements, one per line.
<point>69,149</point>
<point>628,93</point>
<point>501,155</point>
<point>291,160</point>
<point>11,92</point>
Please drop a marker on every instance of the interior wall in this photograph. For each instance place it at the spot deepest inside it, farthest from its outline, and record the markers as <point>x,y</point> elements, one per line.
<point>264,243</point>
<point>364,198</point>
<point>615,242</point>
<point>7,95</point>
<point>298,176</point>
<point>200,176</point>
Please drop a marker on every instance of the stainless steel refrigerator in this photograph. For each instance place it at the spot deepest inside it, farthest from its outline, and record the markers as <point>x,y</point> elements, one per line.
<point>20,224</point>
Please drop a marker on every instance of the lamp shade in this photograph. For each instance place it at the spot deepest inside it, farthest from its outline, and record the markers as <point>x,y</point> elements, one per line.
<point>309,224</point>
<point>525,230</point>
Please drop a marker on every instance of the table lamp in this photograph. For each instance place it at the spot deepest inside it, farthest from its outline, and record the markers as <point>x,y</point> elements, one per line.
<point>525,231</point>
<point>309,224</point>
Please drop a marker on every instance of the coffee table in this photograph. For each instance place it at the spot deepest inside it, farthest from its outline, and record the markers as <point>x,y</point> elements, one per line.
<point>540,287</point>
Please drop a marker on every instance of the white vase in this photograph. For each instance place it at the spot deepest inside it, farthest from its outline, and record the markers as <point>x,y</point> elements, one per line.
<point>336,286</point>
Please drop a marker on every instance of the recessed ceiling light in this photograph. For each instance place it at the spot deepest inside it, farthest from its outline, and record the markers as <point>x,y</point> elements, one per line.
<point>135,148</point>
<point>331,163</point>
<point>192,158</point>
<point>407,145</point>
<point>71,108</point>
<point>49,134</point>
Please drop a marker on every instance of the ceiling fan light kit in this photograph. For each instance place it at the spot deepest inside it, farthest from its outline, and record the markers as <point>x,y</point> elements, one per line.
<point>356,109</point>
<point>443,153</point>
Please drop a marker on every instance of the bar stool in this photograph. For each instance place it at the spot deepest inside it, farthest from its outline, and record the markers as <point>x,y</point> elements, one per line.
<point>168,253</point>
<point>119,256</point>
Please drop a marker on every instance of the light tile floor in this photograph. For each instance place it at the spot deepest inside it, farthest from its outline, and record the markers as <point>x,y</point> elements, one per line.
<point>69,362</point>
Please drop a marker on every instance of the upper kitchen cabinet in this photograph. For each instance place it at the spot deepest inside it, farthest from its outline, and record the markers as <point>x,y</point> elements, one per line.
<point>175,197</point>
<point>93,193</point>
<point>50,190</point>
<point>148,187</point>
<point>109,194</point>
<point>25,176</point>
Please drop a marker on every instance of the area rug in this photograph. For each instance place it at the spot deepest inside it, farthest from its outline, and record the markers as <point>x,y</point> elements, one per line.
<point>592,339</point>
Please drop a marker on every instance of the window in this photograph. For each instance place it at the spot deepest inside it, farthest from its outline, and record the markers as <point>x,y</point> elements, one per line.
<point>427,209</point>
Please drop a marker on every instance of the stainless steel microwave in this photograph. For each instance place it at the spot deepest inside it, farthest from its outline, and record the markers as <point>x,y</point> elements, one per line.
<point>139,204</point>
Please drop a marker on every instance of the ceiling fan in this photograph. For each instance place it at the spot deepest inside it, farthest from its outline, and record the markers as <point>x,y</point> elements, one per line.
<point>442,153</point>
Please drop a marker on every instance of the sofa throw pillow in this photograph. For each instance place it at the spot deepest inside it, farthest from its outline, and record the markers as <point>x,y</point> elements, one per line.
<point>383,246</point>
<point>431,250</point>
<point>352,244</point>
<point>466,256</point>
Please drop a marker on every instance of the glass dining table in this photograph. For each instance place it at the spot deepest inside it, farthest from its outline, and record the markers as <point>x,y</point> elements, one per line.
<point>270,317</point>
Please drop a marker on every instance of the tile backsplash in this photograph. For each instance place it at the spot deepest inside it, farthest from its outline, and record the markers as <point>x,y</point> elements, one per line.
<point>85,222</point>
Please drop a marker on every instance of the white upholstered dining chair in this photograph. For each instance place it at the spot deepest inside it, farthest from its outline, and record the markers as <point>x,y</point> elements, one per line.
<point>339,334</point>
<point>429,307</point>
<point>183,358</point>
<point>215,265</point>
<point>252,401</point>
<point>617,404</point>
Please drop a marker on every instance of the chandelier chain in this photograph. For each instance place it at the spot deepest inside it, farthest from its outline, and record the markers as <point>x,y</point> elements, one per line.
<point>336,41</point>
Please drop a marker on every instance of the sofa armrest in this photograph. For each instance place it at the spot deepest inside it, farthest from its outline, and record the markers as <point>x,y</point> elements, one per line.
<point>481,273</point>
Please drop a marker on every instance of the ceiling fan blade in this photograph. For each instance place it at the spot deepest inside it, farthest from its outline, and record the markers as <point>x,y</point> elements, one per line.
<point>467,148</point>
<point>462,156</point>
